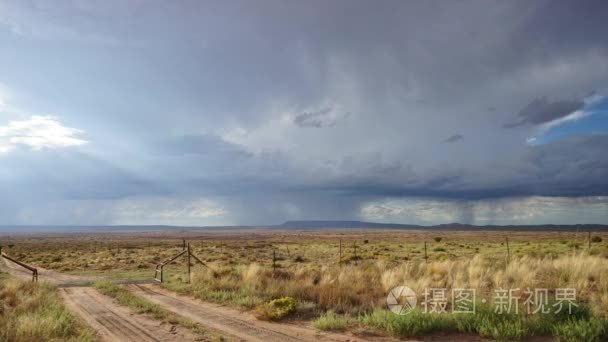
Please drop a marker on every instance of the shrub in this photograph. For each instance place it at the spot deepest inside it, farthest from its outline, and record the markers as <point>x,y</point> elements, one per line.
<point>276,309</point>
<point>437,239</point>
<point>596,239</point>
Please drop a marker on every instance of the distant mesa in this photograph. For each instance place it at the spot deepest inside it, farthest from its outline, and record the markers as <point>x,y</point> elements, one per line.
<point>342,224</point>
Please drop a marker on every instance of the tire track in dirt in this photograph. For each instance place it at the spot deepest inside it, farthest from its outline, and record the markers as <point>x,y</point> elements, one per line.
<point>231,322</point>
<point>117,323</point>
<point>110,320</point>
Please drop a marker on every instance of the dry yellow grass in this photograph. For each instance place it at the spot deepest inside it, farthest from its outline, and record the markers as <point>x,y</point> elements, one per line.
<point>34,312</point>
<point>363,287</point>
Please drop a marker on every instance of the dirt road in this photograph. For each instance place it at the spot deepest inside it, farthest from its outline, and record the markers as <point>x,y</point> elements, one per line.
<point>231,322</point>
<point>111,321</point>
<point>117,323</point>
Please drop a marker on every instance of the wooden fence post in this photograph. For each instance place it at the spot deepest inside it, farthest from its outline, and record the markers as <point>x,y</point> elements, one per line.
<point>189,280</point>
<point>340,257</point>
<point>508,251</point>
<point>274,260</point>
<point>426,257</point>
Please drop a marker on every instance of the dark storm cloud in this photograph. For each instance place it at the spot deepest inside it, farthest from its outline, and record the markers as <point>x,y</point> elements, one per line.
<point>541,111</point>
<point>571,168</point>
<point>230,100</point>
<point>453,138</point>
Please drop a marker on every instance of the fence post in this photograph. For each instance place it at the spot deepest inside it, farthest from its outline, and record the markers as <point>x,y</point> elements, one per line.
<point>189,280</point>
<point>426,257</point>
<point>508,251</point>
<point>274,260</point>
<point>340,257</point>
<point>589,240</point>
<point>355,247</point>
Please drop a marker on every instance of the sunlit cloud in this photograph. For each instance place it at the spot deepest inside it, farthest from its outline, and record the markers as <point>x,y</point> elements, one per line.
<point>38,132</point>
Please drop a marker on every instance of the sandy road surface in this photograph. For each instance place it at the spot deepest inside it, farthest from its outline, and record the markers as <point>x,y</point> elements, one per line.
<point>230,322</point>
<point>111,321</point>
<point>116,323</point>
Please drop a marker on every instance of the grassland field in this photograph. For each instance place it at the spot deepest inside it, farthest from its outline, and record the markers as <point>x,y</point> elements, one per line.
<point>351,294</point>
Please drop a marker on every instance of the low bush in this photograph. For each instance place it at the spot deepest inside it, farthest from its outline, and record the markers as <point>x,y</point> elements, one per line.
<point>276,309</point>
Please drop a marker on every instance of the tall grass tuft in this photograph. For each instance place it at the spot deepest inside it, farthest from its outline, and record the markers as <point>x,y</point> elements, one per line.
<point>34,312</point>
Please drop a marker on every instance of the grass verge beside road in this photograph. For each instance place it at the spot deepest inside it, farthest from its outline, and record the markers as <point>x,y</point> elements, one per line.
<point>144,306</point>
<point>34,312</point>
<point>581,325</point>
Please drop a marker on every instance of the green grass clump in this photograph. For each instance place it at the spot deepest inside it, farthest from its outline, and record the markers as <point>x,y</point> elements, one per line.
<point>332,321</point>
<point>34,312</point>
<point>577,326</point>
<point>200,290</point>
<point>592,330</point>
<point>144,306</point>
<point>415,323</point>
<point>276,309</point>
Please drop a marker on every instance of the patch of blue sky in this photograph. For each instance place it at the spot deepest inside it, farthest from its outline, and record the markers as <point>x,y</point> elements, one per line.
<point>595,121</point>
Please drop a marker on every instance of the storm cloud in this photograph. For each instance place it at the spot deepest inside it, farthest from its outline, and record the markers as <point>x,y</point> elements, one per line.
<point>255,112</point>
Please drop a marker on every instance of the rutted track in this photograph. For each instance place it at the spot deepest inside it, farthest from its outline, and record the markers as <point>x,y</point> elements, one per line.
<point>116,323</point>
<point>230,322</point>
<point>111,321</point>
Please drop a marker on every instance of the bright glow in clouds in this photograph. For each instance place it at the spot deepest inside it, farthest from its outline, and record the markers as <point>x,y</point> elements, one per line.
<point>128,211</point>
<point>38,132</point>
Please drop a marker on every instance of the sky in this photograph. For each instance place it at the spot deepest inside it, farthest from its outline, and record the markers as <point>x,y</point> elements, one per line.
<point>257,112</point>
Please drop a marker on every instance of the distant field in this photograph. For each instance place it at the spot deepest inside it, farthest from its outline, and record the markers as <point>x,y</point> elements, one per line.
<point>140,252</point>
